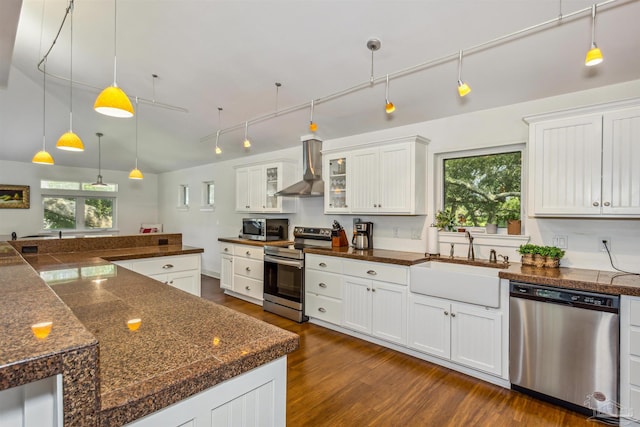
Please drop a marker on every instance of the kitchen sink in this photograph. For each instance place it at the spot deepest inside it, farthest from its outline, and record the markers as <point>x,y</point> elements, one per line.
<point>458,282</point>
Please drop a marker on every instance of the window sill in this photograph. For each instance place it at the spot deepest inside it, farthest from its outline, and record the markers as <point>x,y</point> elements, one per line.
<point>503,240</point>
<point>183,208</point>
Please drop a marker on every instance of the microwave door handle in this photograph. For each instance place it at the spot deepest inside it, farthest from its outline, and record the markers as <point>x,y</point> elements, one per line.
<point>298,264</point>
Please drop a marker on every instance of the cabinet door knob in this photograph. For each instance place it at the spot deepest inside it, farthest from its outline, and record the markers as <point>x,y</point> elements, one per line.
<point>368,289</point>
<point>453,315</point>
<point>226,249</point>
<point>171,282</point>
<point>446,313</point>
<point>322,285</point>
<point>607,204</point>
<point>372,272</point>
<point>596,204</point>
<point>322,310</point>
<point>375,206</point>
<point>248,268</point>
<point>373,289</point>
<point>167,266</point>
<point>247,288</point>
<point>248,253</point>
<point>346,206</point>
<point>322,264</point>
<point>263,206</point>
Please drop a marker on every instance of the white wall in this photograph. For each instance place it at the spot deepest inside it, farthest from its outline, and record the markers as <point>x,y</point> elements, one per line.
<point>499,126</point>
<point>137,201</point>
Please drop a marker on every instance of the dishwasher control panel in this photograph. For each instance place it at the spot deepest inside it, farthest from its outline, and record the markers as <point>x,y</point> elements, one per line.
<point>562,295</point>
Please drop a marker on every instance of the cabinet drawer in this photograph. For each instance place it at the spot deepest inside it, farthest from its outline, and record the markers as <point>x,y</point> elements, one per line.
<point>250,268</point>
<point>323,263</point>
<point>226,249</point>
<point>634,311</point>
<point>166,264</point>
<point>250,252</point>
<point>323,308</point>
<point>250,287</point>
<point>377,271</point>
<point>327,284</point>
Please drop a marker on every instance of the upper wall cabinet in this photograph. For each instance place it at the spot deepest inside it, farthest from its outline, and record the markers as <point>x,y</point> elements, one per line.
<point>256,186</point>
<point>386,177</point>
<point>583,163</point>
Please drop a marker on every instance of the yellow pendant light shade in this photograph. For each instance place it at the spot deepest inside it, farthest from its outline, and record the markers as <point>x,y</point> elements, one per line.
<point>463,88</point>
<point>389,108</point>
<point>42,158</point>
<point>70,141</point>
<point>594,56</point>
<point>136,174</point>
<point>313,126</point>
<point>113,102</point>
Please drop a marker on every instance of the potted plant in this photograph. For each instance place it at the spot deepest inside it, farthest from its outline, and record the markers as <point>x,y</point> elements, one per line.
<point>540,256</point>
<point>445,220</point>
<point>553,256</point>
<point>527,251</point>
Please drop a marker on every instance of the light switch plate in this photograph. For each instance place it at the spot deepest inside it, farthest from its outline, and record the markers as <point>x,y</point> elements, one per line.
<point>560,241</point>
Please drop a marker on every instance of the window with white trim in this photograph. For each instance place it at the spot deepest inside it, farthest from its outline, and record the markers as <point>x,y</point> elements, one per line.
<point>70,205</point>
<point>208,196</point>
<point>183,196</point>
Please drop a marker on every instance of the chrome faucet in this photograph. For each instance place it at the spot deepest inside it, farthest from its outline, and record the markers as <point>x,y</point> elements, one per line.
<point>492,256</point>
<point>470,254</point>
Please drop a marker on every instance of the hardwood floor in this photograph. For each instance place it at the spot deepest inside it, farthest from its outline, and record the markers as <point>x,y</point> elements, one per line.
<point>338,380</point>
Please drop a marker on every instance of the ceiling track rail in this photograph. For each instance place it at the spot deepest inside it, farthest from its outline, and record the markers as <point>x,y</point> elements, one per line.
<point>410,70</point>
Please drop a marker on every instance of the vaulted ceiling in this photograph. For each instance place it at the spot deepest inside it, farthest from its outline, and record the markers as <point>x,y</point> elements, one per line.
<point>209,54</point>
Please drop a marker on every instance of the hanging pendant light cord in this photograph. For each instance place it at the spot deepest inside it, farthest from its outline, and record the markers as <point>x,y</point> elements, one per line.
<point>99,158</point>
<point>593,24</point>
<point>115,40</point>
<point>44,106</point>
<point>460,64</point>
<point>138,111</point>
<point>71,66</point>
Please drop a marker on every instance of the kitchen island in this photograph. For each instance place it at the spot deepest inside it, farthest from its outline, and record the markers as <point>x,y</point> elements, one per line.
<point>126,345</point>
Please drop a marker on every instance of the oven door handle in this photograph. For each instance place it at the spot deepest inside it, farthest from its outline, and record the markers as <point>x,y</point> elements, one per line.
<point>291,263</point>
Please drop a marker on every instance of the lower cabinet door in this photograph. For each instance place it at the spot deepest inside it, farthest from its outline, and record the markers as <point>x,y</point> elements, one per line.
<point>226,272</point>
<point>476,338</point>
<point>188,281</point>
<point>389,312</point>
<point>323,308</point>
<point>430,325</point>
<point>356,304</point>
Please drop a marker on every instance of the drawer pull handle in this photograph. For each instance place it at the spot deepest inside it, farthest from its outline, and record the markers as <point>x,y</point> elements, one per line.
<point>171,282</point>
<point>248,268</point>
<point>372,272</point>
<point>322,310</point>
<point>446,313</point>
<point>167,266</point>
<point>607,204</point>
<point>373,289</point>
<point>596,204</point>
<point>453,315</point>
<point>248,253</point>
<point>226,249</point>
<point>247,288</point>
<point>322,285</point>
<point>322,264</point>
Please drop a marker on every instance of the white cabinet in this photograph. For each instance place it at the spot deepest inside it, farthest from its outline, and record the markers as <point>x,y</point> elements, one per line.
<point>386,177</point>
<point>180,271</point>
<point>242,271</point>
<point>375,307</point>
<point>630,357</point>
<point>323,288</point>
<point>463,333</point>
<point>582,162</point>
<point>256,186</point>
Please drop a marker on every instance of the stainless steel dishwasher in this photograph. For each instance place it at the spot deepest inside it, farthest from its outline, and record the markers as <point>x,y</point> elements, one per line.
<point>564,346</point>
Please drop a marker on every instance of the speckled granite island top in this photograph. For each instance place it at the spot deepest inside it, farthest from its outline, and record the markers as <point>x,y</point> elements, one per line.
<point>183,345</point>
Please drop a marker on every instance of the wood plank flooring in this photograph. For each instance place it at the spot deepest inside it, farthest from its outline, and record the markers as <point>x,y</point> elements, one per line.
<point>338,380</point>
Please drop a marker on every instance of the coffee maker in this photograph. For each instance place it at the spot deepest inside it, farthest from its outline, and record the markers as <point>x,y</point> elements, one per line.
<point>363,235</point>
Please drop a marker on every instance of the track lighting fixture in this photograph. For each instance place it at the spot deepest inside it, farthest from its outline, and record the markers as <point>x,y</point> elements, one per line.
<point>312,126</point>
<point>112,101</point>
<point>99,182</point>
<point>373,45</point>
<point>218,149</point>
<point>69,141</point>
<point>135,172</point>
<point>594,55</point>
<point>42,157</point>
<point>463,88</point>
<point>389,107</point>
<point>246,144</point>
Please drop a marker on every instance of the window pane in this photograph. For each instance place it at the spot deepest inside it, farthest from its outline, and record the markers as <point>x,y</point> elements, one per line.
<point>483,190</point>
<point>98,213</point>
<point>107,187</point>
<point>210,194</point>
<point>59,213</point>
<point>60,185</point>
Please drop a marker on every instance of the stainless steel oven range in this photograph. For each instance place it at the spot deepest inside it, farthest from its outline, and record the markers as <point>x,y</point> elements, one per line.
<point>284,272</point>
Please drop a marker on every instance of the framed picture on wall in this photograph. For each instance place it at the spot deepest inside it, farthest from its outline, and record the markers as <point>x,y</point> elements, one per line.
<point>14,196</point>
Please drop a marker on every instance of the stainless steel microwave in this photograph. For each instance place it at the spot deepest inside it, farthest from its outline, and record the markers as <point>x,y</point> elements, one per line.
<point>265,228</point>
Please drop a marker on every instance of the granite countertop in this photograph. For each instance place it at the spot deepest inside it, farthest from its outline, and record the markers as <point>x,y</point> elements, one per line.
<point>240,241</point>
<point>184,344</point>
<point>610,282</point>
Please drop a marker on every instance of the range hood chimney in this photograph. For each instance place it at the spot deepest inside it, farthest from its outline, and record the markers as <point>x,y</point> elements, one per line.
<point>312,184</point>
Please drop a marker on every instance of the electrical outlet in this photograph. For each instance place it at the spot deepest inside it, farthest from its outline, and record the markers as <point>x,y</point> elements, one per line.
<point>601,246</point>
<point>395,232</point>
<point>415,233</point>
<point>561,242</point>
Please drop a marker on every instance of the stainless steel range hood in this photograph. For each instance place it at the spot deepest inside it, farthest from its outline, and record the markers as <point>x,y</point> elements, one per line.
<point>312,184</point>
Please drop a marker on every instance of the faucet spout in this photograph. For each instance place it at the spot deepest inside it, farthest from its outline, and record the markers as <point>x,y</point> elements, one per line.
<point>470,254</point>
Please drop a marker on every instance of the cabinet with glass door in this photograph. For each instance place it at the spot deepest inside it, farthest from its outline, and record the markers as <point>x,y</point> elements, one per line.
<point>271,176</point>
<point>337,185</point>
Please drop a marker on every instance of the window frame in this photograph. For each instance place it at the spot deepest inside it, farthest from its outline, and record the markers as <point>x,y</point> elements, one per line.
<point>183,197</point>
<point>207,186</point>
<point>439,159</point>
<point>80,196</point>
